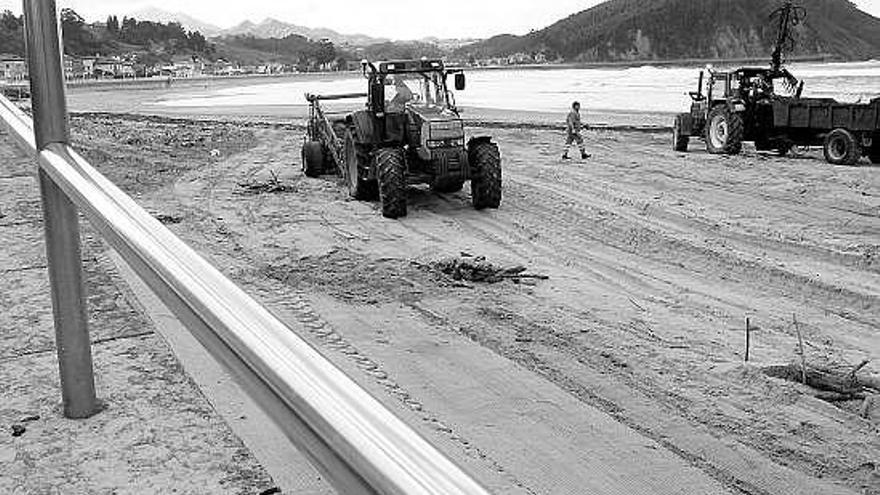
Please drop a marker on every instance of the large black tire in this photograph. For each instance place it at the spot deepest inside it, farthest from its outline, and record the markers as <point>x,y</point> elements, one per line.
<point>679,139</point>
<point>357,158</point>
<point>447,185</point>
<point>724,131</point>
<point>842,148</point>
<point>485,161</point>
<point>312,159</point>
<point>874,154</point>
<point>391,168</point>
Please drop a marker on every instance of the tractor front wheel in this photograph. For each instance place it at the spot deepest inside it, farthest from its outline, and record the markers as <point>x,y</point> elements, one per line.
<point>391,168</point>
<point>485,161</point>
<point>312,159</point>
<point>724,131</point>
<point>355,159</point>
<point>680,140</point>
<point>842,148</point>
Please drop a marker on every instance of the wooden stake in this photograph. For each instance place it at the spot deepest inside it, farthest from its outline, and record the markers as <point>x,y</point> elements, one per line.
<point>748,338</point>
<point>866,406</point>
<point>801,349</point>
<point>859,368</point>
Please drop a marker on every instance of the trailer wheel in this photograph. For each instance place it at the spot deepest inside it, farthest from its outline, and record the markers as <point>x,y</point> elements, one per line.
<point>312,159</point>
<point>679,139</point>
<point>485,160</point>
<point>724,131</point>
<point>391,168</point>
<point>356,159</point>
<point>842,148</point>
<point>447,185</point>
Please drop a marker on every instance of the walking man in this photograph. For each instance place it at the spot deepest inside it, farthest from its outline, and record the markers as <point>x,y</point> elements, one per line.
<point>573,127</point>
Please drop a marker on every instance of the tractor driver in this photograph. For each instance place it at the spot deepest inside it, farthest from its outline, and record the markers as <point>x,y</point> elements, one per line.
<point>404,95</point>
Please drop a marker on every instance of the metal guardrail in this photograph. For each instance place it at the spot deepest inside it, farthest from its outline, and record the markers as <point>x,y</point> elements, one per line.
<point>354,441</point>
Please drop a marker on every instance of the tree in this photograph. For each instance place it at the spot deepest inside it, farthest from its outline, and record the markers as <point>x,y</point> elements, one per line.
<point>325,53</point>
<point>197,42</point>
<point>113,25</point>
<point>78,40</point>
<point>11,34</point>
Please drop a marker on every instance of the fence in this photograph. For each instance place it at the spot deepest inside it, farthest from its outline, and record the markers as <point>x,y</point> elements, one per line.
<point>357,444</point>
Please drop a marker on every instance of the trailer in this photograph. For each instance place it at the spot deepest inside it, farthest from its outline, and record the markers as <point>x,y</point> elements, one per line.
<point>846,131</point>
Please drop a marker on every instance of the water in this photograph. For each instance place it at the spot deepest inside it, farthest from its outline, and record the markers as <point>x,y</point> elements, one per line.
<point>640,89</point>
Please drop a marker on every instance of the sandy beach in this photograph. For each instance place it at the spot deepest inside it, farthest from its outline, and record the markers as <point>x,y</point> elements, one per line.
<point>655,260</point>
<point>629,360</point>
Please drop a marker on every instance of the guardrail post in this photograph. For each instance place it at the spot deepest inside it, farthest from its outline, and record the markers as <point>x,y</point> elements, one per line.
<point>61,218</point>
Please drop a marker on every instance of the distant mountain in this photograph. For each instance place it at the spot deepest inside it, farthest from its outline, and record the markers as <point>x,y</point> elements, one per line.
<point>636,30</point>
<point>273,28</point>
<point>190,23</point>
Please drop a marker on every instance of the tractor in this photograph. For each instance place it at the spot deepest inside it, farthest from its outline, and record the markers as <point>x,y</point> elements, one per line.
<point>732,107</point>
<point>410,132</point>
<point>764,105</point>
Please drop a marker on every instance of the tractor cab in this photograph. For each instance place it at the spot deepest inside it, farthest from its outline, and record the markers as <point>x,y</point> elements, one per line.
<point>398,85</point>
<point>413,102</point>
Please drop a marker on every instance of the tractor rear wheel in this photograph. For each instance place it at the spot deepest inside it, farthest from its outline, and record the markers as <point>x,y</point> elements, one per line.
<point>391,168</point>
<point>312,159</point>
<point>447,185</point>
<point>679,139</point>
<point>724,131</point>
<point>485,161</point>
<point>356,159</point>
<point>842,148</point>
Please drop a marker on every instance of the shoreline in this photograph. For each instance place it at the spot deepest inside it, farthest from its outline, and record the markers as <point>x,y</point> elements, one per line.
<point>225,81</point>
<point>489,118</point>
<point>134,101</point>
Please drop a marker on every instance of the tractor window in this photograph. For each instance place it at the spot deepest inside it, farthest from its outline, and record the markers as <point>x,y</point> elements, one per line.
<point>721,88</point>
<point>783,87</point>
<point>435,93</point>
<point>424,89</point>
<point>401,91</point>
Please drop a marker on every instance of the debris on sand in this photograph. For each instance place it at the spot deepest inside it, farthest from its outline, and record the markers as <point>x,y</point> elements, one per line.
<point>271,186</point>
<point>476,269</point>
<point>18,430</point>
<point>832,384</point>
<point>169,219</point>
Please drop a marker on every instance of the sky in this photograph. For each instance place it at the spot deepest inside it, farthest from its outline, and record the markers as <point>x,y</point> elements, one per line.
<point>395,19</point>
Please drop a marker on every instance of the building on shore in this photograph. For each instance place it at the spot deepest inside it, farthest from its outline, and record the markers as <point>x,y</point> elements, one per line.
<point>13,68</point>
<point>184,68</point>
<point>113,67</point>
<point>74,68</point>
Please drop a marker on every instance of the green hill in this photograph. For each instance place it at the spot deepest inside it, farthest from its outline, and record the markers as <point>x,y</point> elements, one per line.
<point>635,30</point>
